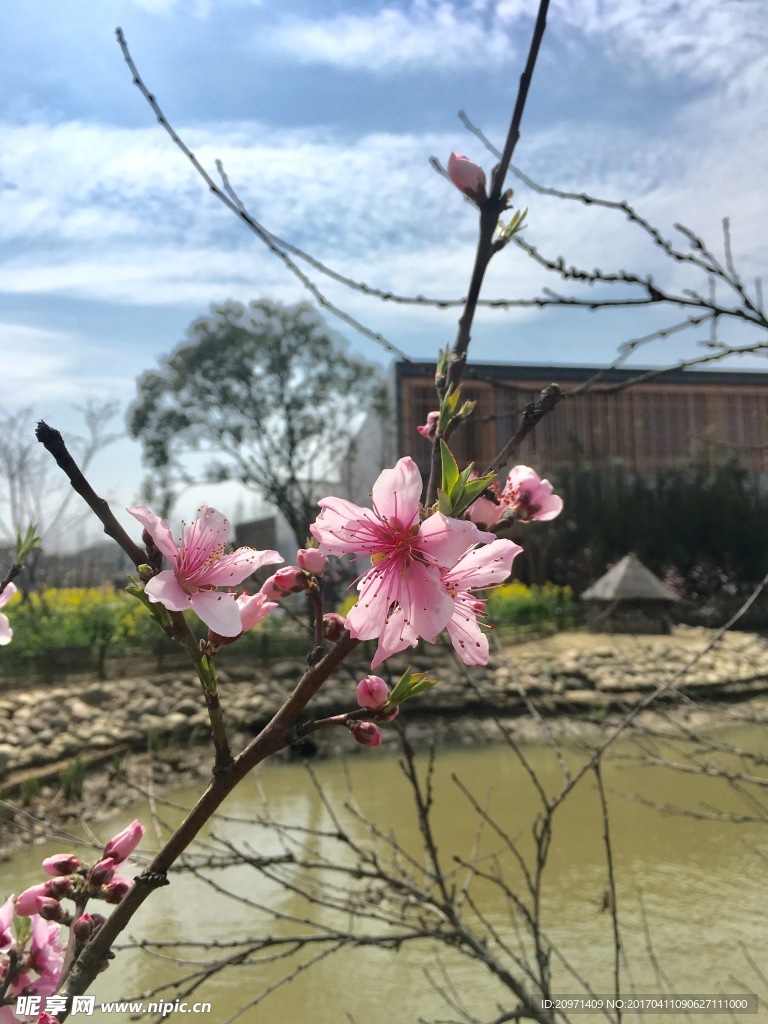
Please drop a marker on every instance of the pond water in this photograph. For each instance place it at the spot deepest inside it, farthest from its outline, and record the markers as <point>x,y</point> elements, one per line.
<point>691,893</point>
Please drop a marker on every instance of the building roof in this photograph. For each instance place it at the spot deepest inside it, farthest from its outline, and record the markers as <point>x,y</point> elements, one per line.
<point>629,580</point>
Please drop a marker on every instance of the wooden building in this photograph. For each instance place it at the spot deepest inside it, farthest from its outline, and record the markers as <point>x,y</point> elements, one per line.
<point>646,426</point>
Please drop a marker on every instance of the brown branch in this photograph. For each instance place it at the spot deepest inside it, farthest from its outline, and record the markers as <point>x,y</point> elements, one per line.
<point>54,444</point>
<point>532,414</point>
<point>490,209</point>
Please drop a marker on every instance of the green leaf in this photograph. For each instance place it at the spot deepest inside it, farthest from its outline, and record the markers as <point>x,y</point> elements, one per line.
<point>471,490</point>
<point>409,685</point>
<point>450,469</point>
<point>26,544</point>
<point>444,504</point>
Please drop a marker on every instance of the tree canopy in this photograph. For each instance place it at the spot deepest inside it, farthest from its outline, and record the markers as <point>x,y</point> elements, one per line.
<point>265,393</point>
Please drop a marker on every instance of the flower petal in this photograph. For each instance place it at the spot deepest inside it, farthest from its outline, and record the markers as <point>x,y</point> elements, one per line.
<point>165,589</point>
<point>469,641</point>
<point>158,531</point>
<point>7,594</point>
<point>484,566</point>
<point>344,528</point>
<point>219,611</point>
<point>397,492</point>
<point>6,633</point>
<point>443,541</point>
<point>236,567</point>
<point>426,605</point>
<point>395,637</point>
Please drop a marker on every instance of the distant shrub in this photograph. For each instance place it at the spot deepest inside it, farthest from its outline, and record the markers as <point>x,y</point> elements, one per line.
<point>520,605</point>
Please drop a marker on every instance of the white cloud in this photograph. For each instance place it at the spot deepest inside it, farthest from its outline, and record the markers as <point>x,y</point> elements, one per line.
<point>424,34</point>
<point>705,42</point>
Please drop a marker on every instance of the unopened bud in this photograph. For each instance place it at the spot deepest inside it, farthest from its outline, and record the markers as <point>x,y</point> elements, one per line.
<point>387,716</point>
<point>333,626</point>
<point>83,927</point>
<point>61,864</point>
<point>468,177</point>
<point>98,920</point>
<point>312,560</point>
<point>367,733</point>
<point>59,887</point>
<point>124,843</point>
<point>372,692</point>
<point>289,580</point>
<point>50,909</point>
<point>117,889</point>
<point>102,872</point>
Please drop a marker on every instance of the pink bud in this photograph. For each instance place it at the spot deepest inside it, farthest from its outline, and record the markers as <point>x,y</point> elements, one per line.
<point>367,733</point>
<point>83,927</point>
<point>98,920</point>
<point>59,887</point>
<point>31,900</point>
<point>429,430</point>
<point>47,1018</point>
<point>333,626</point>
<point>312,560</point>
<point>124,843</point>
<point>253,608</point>
<point>289,580</point>
<point>372,692</point>
<point>61,864</point>
<point>102,872</point>
<point>468,178</point>
<point>117,889</point>
<point>50,909</point>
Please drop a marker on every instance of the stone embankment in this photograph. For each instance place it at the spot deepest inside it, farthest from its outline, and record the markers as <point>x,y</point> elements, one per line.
<point>575,675</point>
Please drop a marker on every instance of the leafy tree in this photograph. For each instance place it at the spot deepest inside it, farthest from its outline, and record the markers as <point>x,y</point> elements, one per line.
<point>267,392</point>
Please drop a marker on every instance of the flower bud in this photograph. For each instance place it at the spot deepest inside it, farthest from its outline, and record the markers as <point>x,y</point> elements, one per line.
<point>387,716</point>
<point>289,580</point>
<point>429,430</point>
<point>98,920</point>
<point>47,1018</point>
<point>117,889</point>
<point>102,872</point>
<point>312,560</point>
<point>50,909</point>
<point>367,733</point>
<point>31,900</point>
<point>59,887</point>
<point>372,692</point>
<point>468,177</point>
<point>61,864</point>
<point>83,927</point>
<point>124,843</point>
<point>333,626</point>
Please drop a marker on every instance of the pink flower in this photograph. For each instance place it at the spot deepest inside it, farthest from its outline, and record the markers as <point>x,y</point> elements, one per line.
<point>61,864</point>
<point>45,956</point>
<point>312,560</point>
<point>372,692</point>
<point>402,590</point>
<point>198,566</point>
<point>478,569</point>
<point>429,430</point>
<point>529,496</point>
<point>124,843</point>
<point>468,178</point>
<point>47,1018</point>
<point>6,633</point>
<point>367,733</point>
<point>253,608</point>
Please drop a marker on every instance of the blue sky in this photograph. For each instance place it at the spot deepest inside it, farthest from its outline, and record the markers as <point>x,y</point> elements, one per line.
<point>325,117</point>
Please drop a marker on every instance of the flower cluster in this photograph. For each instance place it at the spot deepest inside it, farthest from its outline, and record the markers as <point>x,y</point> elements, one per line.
<point>423,567</point>
<point>30,934</point>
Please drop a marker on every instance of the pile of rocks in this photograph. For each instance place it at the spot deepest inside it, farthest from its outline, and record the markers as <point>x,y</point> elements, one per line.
<point>45,728</point>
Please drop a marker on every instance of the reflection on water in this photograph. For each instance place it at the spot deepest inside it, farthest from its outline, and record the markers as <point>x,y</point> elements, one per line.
<point>691,893</point>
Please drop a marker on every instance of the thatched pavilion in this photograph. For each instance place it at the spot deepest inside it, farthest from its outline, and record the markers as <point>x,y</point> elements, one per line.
<point>629,599</point>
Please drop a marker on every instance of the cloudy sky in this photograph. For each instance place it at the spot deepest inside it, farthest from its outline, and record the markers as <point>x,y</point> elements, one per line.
<point>325,117</point>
